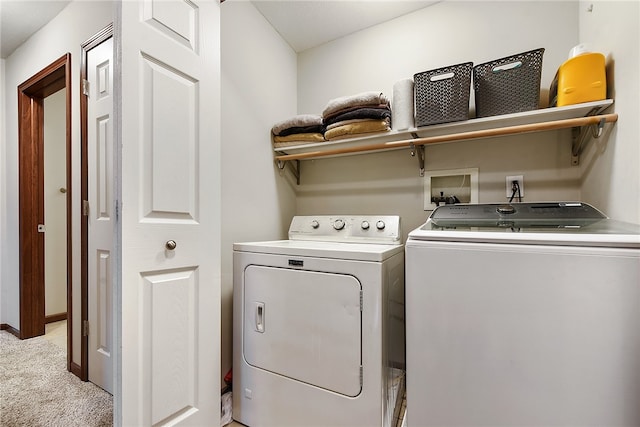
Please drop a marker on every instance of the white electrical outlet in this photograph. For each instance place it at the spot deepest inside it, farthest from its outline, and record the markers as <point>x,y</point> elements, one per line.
<point>510,180</point>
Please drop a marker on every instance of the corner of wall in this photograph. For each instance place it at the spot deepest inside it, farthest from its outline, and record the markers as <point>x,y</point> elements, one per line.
<point>610,166</point>
<point>2,178</point>
<point>258,88</point>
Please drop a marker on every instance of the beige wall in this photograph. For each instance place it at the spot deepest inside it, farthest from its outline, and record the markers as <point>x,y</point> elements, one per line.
<point>264,81</point>
<point>446,33</point>
<point>55,204</point>
<point>74,25</point>
<point>258,89</point>
<point>610,166</point>
<point>443,34</point>
<point>257,205</point>
<point>3,155</point>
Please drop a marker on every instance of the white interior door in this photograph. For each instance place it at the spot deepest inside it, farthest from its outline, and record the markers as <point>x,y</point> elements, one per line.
<point>100,213</point>
<point>55,204</point>
<point>170,183</point>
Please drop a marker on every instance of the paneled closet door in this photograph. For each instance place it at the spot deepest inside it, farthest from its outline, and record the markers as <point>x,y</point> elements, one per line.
<point>170,281</point>
<point>100,213</point>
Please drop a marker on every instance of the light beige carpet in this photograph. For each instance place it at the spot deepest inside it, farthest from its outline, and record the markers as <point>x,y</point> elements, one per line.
<point>37,390</point>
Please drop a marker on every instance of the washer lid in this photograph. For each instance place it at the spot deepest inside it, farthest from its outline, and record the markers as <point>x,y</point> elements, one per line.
<point>563,223</point>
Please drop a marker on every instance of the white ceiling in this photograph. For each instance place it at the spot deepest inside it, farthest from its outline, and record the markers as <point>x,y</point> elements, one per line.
<point>302,23</point>
<point>19,19</point>
<point>309,23</point>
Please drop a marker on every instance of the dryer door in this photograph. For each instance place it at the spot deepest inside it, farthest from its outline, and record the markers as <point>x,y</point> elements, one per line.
<point>304,325</point>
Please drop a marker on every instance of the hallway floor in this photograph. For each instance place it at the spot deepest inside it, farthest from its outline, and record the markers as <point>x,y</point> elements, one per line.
<point>56,333</point>
<point>37,389</point>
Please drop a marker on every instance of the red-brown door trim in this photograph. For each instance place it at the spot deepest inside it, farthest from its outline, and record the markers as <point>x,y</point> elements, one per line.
<point>31,94</point>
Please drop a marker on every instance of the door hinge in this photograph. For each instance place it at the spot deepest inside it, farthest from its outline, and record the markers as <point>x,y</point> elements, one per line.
<point>361,301</point>
<point>85,328</point>
<point>85,208</point>
<point>85,87</point>
<point>361,376</point>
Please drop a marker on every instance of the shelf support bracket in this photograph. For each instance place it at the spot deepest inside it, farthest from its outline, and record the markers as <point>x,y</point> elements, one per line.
<point>579,136</point>
<point>295,169</point>
<point>420,149</point>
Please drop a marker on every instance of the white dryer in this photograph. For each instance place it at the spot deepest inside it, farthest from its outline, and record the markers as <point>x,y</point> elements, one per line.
<point>523,314</point>
<point>319,324</point>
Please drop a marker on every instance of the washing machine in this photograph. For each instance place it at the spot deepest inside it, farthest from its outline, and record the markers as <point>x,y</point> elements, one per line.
<point>523,314</point>
<point>318,324</point>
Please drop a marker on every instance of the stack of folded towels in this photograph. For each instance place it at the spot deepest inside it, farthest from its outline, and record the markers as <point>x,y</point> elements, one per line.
<point>298,130</point>
<point>356,115</point>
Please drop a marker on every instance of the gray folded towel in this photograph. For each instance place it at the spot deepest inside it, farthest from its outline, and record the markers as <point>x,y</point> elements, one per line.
<point>358,113</point>
<point>363,99</point>
<point>301,120</point>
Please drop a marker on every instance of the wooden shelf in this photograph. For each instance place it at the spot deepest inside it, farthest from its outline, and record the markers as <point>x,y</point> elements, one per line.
<point>578,116</point>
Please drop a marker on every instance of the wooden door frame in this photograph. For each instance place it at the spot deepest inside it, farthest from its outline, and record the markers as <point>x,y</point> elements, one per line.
<point>99,38</point>
<point>31,94</point>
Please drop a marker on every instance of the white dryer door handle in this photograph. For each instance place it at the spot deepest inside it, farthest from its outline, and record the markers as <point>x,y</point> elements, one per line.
<point>260,317</point>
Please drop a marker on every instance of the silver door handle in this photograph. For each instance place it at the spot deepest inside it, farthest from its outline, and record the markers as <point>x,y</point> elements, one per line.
<point>170,245</point>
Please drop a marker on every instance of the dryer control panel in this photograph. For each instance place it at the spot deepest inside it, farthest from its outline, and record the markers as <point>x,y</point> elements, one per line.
<point>384,229</point>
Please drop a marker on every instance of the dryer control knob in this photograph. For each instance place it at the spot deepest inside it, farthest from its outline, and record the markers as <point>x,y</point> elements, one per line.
<point>338,224</point>
<point>380,225</point>
<point>315,224</point>
<point>365,225</point>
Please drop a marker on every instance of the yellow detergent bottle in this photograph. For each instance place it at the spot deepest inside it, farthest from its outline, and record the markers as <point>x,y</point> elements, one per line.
<point>582,78</point>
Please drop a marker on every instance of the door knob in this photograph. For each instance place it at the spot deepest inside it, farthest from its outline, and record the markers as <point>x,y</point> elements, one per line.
<point>170,245</point>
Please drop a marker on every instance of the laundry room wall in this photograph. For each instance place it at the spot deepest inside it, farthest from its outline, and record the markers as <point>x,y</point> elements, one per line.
<point>611,166</point>
<point>258,89</point>
<point>445,33</point>
<point>260,85</point>
<point>75,24</point>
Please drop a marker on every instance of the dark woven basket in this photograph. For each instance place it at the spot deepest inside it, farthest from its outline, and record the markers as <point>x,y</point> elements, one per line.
<point>442,95</point>
<point>508,85</point>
